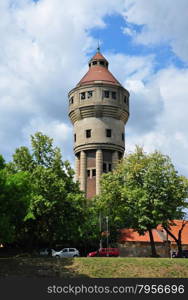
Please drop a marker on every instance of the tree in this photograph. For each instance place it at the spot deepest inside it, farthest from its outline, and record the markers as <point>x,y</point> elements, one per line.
<point>14,202</point>
<point>2,162</point>
<point>177,239</point>
<point>143,192</point>
<point>57,206</point>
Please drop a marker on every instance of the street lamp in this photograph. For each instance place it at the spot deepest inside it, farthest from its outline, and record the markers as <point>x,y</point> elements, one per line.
<point>107,234</point>
<point>100,229</point>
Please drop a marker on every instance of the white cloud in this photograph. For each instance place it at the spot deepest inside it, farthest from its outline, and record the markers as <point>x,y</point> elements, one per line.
<point>162,21</point>
<point>169,133</point>
<point>43,50</point>
<point>44,53</point>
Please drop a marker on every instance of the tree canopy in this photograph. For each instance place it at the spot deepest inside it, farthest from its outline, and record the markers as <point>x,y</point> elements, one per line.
<point>144,191</point>
<point>56,206</point>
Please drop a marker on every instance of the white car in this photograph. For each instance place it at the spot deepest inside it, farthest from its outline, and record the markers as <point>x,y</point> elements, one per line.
<point>66,252</point>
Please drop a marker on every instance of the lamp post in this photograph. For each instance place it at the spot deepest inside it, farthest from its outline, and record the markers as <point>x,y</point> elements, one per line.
<point>107,234</point>
<point>100,229</point>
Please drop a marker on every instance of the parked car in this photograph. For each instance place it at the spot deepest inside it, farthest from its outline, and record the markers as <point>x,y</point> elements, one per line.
<point>103,252</point>
<point>66,252</point>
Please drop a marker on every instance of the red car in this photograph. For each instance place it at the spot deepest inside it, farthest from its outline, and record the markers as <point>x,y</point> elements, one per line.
<point>105,252</point>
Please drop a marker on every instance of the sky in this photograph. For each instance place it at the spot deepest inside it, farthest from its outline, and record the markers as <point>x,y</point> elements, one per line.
<point>44,51</point>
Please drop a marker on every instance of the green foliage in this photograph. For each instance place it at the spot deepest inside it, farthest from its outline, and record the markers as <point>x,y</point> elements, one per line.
<point>14,201</point>
<point>2,162</point>
<point>144,191</point>
<point>57,207</point>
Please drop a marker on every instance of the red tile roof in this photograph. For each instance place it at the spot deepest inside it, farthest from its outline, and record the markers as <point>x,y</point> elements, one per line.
<point>98,73</point>
<point>98,56</point>
<point>129,235</point>
<point>175,230</point>
<point>159,234</point>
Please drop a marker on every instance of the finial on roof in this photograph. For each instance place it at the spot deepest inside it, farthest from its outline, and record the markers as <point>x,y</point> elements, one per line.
<point>98,48</point>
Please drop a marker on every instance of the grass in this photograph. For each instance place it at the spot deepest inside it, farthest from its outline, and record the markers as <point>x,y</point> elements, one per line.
<point>94,267</point>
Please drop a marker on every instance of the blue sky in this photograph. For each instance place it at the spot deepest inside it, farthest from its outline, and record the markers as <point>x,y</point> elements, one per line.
<point>45,49</point>
<point>112,39</point>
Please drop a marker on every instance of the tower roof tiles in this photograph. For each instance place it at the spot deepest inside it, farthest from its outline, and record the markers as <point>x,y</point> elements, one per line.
<point>98,71</point>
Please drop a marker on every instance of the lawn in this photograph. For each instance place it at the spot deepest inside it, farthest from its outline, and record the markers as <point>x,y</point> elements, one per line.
<point>94,267</point>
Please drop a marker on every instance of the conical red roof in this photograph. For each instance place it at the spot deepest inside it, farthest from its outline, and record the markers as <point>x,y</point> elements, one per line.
<point>98,72</point>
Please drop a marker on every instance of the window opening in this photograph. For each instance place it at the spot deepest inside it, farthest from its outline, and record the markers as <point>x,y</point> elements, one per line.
<point>113,95</point>
<point>89,94</point>
<point>106,94</point>
<point>108,132</point>
<point>82,95</point>
<point>88,133</point>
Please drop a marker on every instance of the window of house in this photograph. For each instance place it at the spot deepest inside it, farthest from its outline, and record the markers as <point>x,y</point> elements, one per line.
<point>75,137</point>
<point>88,173</point>
<point>89,64</point>
<point>94,62</point>
<point>125,99</point>
<point>93,172</point>
<point>88,133</point>
<point>82,95</point>
<point>109,167</point>
<point>123,136</point>
<point>113,95</point>
<point>102,63</point>
<point>106,94</point>
<point>89,94</point>
<point>108,132</point>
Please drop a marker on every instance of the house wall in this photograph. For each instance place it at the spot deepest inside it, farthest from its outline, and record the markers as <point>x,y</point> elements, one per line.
<point>143,249</point>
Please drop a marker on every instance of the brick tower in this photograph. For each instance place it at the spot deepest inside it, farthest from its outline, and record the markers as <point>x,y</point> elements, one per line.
<point>99,110</point>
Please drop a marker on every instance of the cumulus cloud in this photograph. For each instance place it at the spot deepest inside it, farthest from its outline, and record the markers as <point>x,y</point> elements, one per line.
<point>160,22</point>
<point>169,134</point>
<point>44,51</point>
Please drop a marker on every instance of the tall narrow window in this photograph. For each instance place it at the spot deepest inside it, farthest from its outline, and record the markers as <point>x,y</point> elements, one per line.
<point>123,136</point>
<point>75,137</point>
<point>88,173</point>
<point>93,172</point>
<point>82,96</point>
<point>108,132</point>
<point>104,167</point>
<point>89,94</point>
<point>106,94</point>
<point>109,167</point>
<point>72,100</point>
<point>88,133</point>
<point>125,99</point>
<point>113,95</point>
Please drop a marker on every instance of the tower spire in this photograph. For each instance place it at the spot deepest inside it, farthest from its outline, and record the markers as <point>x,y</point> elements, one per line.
<point>98,48</point>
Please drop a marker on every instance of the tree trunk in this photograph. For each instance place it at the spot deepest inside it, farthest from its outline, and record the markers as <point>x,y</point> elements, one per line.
<point>177,240</point>
<point>152,243</point>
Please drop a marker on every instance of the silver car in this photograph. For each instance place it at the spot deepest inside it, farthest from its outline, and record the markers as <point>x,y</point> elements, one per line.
<point>66,252</point>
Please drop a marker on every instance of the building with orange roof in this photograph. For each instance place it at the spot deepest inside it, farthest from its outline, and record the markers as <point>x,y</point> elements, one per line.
<point>131,243</point>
